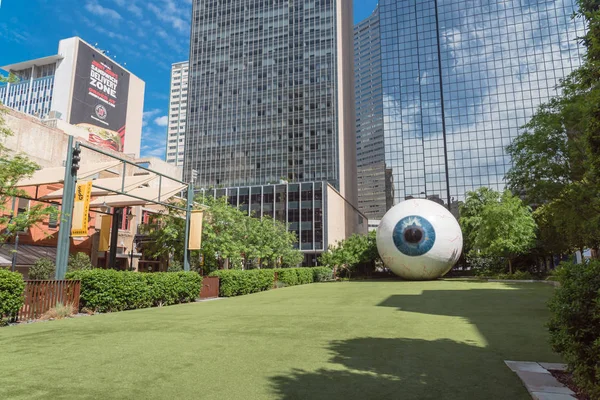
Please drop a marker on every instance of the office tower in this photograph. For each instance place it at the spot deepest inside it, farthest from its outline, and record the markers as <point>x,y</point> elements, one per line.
<point>272,94</point>
<point>82,86</point>
<point>177,113</point>
<point>271,111</point>
<point>369,119</point>
<point>459,79</point>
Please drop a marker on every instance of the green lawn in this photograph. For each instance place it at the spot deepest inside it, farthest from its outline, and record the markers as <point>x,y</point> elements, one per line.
<point>349,340</point>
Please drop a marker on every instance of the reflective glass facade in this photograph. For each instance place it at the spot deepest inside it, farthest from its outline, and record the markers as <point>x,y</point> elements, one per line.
<point>263,98</point>
<point>370,153</point>
<point>459,78</point>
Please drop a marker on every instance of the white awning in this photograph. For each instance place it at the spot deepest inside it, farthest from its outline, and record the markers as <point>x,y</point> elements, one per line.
<point>56,175</point>
<point>149,193</point>
<point>131,183</point>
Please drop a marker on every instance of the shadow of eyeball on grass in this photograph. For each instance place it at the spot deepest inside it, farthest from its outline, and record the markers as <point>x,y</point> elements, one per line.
<point>419,240</point>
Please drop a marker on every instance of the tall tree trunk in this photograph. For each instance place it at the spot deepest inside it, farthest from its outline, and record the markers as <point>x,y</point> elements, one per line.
<point>510,266</point>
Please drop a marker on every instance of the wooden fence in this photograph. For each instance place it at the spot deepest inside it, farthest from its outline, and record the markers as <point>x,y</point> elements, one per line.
<point>41,296</point>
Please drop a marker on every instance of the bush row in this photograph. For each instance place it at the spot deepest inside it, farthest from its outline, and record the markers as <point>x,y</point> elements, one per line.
<point>237,282</point>
<point>11,294</point>
<point>575,323</point>
<point>106,290</point>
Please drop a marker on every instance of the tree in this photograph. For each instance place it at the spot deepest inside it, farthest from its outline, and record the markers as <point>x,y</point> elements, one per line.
<point>353,253</point>
<point>42,269</point>
<point>230,238</point>
<point>165,237</point>
<point>497,225</point>
<point>13,168</point>
<point>79,262</point>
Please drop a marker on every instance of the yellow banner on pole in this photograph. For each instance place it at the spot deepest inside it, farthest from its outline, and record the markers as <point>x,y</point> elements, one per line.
<point>104,233</point>
<point>81,209</point>
<point>195,239</point>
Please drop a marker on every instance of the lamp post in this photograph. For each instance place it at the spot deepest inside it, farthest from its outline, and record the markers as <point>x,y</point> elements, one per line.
<point>14,256</point>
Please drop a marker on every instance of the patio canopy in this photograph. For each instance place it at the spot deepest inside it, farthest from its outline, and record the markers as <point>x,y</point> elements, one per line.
<point>56,175</point>
<point>145,195</point>
<point>130,183</point>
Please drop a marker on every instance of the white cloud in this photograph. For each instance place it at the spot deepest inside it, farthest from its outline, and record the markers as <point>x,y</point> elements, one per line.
<point>162,121</point>
<point>93,7</point>
<point>148,115</point>
<point>173,14</point>
<point>130,6</point>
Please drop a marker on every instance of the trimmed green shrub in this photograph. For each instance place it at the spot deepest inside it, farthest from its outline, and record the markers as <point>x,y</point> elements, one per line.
<point>517,276</point>
<point>575,323</point>
<point>289,276</point>
<point>175,266</point>
<point>322,274</point>
<point>236,282</point>
<point>106,290</point>
<point>295,276</point>
<point>41,270</point>
<point>79,261</point>
<point>11,294</point>
<point>305,276</point>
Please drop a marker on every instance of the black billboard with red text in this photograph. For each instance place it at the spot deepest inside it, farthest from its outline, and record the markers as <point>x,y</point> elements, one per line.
<point>100,97</point>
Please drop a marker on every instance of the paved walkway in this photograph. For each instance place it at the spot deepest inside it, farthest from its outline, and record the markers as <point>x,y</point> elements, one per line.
<point>539,381</point>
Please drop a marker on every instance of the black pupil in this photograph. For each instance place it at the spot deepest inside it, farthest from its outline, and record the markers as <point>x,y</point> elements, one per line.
<point>413,235</point>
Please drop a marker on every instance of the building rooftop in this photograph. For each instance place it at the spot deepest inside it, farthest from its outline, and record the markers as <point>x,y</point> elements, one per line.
<point>31,63</point>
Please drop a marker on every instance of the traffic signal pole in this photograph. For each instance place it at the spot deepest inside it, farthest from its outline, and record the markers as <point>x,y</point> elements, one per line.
<point>66,215</point>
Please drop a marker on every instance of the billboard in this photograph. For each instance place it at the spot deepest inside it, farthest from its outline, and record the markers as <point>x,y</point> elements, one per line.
<point>100,94</point>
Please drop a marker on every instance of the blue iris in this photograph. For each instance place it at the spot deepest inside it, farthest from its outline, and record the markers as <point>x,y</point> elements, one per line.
<point>414,236</point>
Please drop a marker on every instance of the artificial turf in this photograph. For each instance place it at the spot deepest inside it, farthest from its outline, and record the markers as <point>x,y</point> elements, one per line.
<point>347,340</point>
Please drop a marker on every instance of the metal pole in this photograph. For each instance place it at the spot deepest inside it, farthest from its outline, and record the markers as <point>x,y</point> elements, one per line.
<point>14,257</point>
<point>114,238</point>
<point>186,252</point>
<point>66,215</point>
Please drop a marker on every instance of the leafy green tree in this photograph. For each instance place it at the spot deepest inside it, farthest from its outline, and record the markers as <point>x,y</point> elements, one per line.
<point>165,235</point>
<point>79,262</point>
<point>230,238</point>
<point>497,225</point>
<point>42,269</point>
<point>358,251</point>
<point>13,168</point>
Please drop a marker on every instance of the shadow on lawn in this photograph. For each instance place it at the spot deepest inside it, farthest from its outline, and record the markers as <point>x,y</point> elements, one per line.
<point>400,368</point>
<point>380,368</point>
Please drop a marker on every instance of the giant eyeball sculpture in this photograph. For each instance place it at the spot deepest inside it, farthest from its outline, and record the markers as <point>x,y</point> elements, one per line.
<point>419,240</point>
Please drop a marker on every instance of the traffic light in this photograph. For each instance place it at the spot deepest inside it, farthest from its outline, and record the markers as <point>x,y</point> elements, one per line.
<point>75,160</point>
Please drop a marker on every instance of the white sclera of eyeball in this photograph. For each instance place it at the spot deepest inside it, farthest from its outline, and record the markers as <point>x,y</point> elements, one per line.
<point>440,249</point>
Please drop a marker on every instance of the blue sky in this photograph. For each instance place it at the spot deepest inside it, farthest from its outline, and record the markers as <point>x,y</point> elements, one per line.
<point>147,35</point>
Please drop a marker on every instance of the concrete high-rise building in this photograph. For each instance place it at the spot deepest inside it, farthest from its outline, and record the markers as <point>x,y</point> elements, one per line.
<point>271,100</point>
<point>177,113</point>
<point>272,94</point>
<point>81,86</point>
<point>458,80</point>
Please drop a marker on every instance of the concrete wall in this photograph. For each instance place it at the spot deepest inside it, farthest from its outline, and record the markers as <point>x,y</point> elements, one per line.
<point>62,95</point>
<point>343,219</point>
<point>135,111</point>
<point>346,101</point>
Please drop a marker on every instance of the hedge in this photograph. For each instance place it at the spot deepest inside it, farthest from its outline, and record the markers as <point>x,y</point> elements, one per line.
<point>322,274</point>
<point>107,290</point>
<point>575,323</point>
<point>11,293</point>
<point>237,282</point>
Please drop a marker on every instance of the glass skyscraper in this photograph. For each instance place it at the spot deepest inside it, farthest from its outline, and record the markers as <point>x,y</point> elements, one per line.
<point>271,94</point>
<point>459,79</point>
